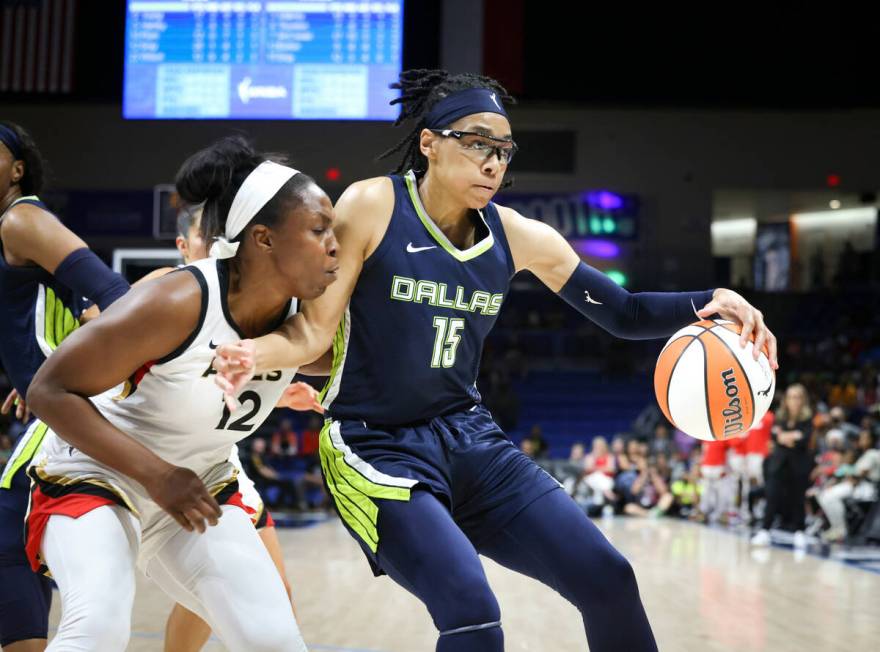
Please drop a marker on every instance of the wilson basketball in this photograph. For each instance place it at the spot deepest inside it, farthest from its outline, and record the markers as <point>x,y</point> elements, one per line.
<point>708,386</point>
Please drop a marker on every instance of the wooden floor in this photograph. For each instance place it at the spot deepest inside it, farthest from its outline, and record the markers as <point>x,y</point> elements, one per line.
<point>704,590</point>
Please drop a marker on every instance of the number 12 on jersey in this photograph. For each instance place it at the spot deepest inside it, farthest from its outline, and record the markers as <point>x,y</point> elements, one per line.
<point>446,341</point>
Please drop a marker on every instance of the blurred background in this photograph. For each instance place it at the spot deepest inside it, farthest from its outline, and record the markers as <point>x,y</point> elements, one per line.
<point>674,149</point>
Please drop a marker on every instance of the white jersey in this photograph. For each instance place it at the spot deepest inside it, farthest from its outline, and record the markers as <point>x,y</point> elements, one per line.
<point>173,407</point>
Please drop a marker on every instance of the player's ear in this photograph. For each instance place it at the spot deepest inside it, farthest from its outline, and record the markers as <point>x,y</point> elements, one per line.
<point>261,235</point>
<point>427,144</point>
<point>182,245</point>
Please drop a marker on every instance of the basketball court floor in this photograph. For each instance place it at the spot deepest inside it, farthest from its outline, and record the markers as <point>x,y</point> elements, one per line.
<point>704,589</point>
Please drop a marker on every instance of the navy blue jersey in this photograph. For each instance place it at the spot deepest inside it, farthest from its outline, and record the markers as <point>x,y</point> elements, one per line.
<point>38,313</point>
<point>408,347</point>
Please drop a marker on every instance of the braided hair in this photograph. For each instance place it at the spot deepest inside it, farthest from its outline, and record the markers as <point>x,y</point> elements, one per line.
<point>420,90</point>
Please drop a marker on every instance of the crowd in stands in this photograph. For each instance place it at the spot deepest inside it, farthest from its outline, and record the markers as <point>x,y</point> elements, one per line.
<point>808,472</point>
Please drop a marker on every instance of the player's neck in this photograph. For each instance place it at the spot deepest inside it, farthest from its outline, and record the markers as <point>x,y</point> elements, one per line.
<point>11,195</point>
<point>254,303</point>
<point>450,216</point>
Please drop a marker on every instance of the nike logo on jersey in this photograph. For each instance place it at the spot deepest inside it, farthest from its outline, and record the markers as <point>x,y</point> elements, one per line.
<point>211,345</point>
<point>415,250</point>
<point>590,299</point>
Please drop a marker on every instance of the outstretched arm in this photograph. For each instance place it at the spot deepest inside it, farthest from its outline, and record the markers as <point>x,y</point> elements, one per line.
<point>308,335</point>
<point>643,315</point>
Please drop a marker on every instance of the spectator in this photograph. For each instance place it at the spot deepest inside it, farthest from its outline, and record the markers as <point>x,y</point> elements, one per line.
<point>789,468</point>
<point>311,437</point>
<point>661,442</point>
<point>539,444</point>
<point>859,481</point>
<point>649,494</point>
<point>284,440</point>
<point>686,494</point>
<point>599,472</point>
<point>838,421</point>
<point>278,491</point>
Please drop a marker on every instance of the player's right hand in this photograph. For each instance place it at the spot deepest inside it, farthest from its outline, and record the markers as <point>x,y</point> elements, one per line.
<point>181,493</point>
<point>235,364</point>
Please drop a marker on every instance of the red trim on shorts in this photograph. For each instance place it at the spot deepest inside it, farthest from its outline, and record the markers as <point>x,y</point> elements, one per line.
<point>259,522</point>
<point>43,506</point>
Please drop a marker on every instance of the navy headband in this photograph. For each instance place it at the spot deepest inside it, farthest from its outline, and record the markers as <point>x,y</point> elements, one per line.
<point>9,138</point>
<point>462,103</point>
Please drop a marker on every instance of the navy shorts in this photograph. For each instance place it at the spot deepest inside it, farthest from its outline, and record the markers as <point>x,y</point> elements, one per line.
<point>25,596</point>
<point>463,458</point>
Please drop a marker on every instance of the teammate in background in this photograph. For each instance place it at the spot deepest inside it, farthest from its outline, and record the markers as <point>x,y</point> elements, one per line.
<point>138,475</point>
<point>422,476</point>
<point>45,272</point>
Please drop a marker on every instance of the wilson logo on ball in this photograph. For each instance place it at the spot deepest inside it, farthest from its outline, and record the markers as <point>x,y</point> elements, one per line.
<point>733,413</point>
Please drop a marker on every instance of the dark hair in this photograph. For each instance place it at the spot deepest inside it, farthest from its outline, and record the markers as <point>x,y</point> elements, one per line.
<point>420,90</point>
<point>213,175</point>
<point>34,166</point>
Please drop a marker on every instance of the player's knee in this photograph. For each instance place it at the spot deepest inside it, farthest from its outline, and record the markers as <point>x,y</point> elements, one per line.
<point>97,631</point>
<point>468,601</point>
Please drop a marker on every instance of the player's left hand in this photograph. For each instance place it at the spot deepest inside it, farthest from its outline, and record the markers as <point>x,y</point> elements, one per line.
<point>733,307</point>
<point>22,413</point>
<point>302,397</point>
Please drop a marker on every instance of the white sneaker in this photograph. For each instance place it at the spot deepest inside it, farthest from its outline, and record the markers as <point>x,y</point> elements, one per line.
<point>761,539</point>
<point>800,540</point>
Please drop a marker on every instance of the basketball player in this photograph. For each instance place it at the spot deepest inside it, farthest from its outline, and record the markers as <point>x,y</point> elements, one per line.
<point>139,473</point>
<point>45,270</point>
<point>185,631</point>
<point>420,473</point>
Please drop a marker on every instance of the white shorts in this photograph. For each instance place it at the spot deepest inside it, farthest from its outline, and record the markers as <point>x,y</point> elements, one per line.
<point>67,481</point>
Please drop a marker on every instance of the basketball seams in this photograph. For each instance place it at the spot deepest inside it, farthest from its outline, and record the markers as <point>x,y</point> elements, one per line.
<point>744,373</point>
<point>706,386</point>
<point>667,411</point>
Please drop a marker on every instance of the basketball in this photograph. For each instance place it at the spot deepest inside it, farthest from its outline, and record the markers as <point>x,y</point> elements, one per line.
<point>708,386</point>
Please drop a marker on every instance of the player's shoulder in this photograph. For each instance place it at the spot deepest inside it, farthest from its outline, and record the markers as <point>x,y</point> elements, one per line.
<point>364,211</point>
<point>25,217</point>
<point>376,192</point>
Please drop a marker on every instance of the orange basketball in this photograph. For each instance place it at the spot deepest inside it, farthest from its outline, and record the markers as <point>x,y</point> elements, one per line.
<point>708,386</point>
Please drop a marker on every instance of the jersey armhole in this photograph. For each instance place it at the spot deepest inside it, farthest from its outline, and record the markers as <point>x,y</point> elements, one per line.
<point>382,248</point>
<point>502,236</point>
<point>203,285</point>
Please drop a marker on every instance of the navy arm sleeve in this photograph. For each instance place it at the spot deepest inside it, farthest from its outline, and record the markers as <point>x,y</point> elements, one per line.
<point>86,274</point>
<point>632,316</point>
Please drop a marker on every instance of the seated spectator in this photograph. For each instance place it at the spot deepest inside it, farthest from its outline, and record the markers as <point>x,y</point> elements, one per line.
<point>277,491</point>
<point>599,472</point>
<point>284,440</point>
<point>311,437</point>
<point>649,494</point>
<point>539,444</point>
<point>859,481</point>
<point>838,420</point>
<point>662,441</point>
<point>686,494</point>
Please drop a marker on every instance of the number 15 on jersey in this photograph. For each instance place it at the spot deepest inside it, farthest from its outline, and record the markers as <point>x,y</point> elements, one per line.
<point>446,341</point>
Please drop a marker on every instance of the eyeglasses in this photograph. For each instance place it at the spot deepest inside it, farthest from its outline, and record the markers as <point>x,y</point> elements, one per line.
<point>480,147</point>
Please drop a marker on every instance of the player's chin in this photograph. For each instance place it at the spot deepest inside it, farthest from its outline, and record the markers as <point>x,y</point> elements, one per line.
<point>480,196</point>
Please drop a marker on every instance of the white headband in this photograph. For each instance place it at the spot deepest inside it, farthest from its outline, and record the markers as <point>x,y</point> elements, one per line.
<point>256,190</point>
